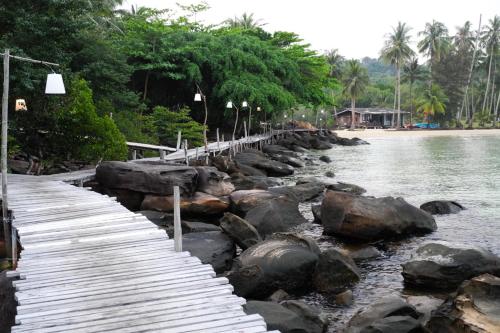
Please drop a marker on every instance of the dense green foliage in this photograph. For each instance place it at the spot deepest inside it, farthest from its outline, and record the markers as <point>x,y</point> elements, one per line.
<point>167,124</point>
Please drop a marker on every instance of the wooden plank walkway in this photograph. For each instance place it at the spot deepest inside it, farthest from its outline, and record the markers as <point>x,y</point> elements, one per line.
<point>90,265</point>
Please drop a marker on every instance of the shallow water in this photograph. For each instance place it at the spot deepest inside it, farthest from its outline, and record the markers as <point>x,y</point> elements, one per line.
<point>465,169</point>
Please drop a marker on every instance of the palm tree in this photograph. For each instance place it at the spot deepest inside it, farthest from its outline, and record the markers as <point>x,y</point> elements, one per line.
<point>355,79</point>
<point>463,39</point>
<point>432,102</point>
<point>335,61</point>
<point>435,43</point>
<point>412,72</point>
<point>491,39</point>
<point>246,21</point>
<point>396,51</point>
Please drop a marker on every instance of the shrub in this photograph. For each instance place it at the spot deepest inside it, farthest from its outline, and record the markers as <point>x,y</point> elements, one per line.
<point>168,123</point>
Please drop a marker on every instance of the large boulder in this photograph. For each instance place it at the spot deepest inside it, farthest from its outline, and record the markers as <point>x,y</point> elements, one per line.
<point>303,192</point>
<point>290,160</point>
<point>212,247</point>
<point>244,200</point>
<point>131,200</point>
<point>439,207</point>
<point>346,187</point>
<point>201,204</point>
<point>156,179</point>
<point>367,218</point>
<point>214,182</point>
<point>364,252</point>
<point>424,305</point>
<point>243,233</point>
<point>443,265</point>
<point>334,272</point>
<point>256,159</point>
<point>474,309</point>
<point>284,261</point>
<point>278,150</point>
<point>275,215</point>
<point>395,324</point>
<point>194,226</point>
<point>7,303</point>
<point>242,182</point>
<point>377,314</point>
<point>291,317</point>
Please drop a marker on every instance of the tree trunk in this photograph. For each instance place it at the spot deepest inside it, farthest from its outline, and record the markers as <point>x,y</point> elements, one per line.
<point>146,82</point>
<point>235,124</point>
<point>394,107</point>
<point>398,82</point>
<point>353,113</point>
<point>411,104</point>
<point>487,82</point>
<point>495,115</point>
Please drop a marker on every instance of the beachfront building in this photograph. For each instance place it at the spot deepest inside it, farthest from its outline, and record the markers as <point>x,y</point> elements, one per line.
<point>370,117</point>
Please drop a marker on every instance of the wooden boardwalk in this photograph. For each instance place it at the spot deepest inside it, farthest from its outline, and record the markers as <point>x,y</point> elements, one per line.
<point>90,265</point>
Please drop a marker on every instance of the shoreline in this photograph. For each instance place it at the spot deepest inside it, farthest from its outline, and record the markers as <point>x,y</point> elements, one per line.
<point>390,133</point>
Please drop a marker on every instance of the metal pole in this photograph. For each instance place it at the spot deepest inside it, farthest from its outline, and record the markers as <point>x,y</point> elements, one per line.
<point>5,117</point>
<point>177,220</point>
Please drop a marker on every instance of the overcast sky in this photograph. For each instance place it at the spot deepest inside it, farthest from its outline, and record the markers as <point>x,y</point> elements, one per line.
<point>356,27</point>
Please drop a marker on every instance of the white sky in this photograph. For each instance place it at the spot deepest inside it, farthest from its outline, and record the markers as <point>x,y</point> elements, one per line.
<point>356,27</point>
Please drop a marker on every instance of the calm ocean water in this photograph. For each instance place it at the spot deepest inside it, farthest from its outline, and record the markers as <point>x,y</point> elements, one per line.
<point>465,169</point>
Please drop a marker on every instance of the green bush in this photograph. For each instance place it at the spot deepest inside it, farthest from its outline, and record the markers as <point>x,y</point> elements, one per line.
<point>168,123</point>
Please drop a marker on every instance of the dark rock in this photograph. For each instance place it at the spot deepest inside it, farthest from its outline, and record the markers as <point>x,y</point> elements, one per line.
<point>242,182</point>
<point>284,261</point>
<point>330,174</point>
<point>344,298</point>
<point>316,143</point>
<point>256,159</point>
<point>8,303</point>
<point>442,207</point>
<point>316,211</point>
<point>214,182</point>
<point>279,296</point>
<point>445,266</point>
<point>159,218</point>
<point>387,307</point>
<point>395,324</point>
<point>474,309</point>
<point>275,215</point>
<point>310,315</point>
<point>243,233</point>
<point>190,226</point>
<point>201,204</point>
<point>365,218</point>
<point>364,253</point>
<point>212,247</point>
<point>145,178</point>
<point>131,200</point>
<point>277,317</point>
<point>19,166</point>
<point>314,180</point>
<point>345,187</point>
<point>303,192</point>
<point>351,142</point>
<point>278,150</point>
<point>325,159</point>
<point>424,305</point>
<point>292,161</point>
<point>334,271</point>
<point>244,200</point>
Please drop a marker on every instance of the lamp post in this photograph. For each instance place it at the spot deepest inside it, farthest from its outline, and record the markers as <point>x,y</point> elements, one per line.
<point>198,97</point>
<point>246,105</point>
<point>54,85</point>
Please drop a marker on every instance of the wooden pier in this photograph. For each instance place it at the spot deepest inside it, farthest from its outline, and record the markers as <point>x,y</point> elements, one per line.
<point>89,265</point>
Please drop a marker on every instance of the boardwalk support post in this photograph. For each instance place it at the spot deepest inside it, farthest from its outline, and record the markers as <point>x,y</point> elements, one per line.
<point>218,141</point>
<point>186,152</point>
<point>162,154</point>
<point>179,135</point>
<point>177,220</point>
<point>134,154</point>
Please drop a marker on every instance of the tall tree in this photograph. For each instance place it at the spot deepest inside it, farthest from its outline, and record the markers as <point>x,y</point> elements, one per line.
<point>491,39</point>
<point>412,72</point>
<point>246,21</point>
<point>396,51</point>
<point>355,80</point>
<point>335,61</point>
<point>432,102</point>
<point>434,44</point>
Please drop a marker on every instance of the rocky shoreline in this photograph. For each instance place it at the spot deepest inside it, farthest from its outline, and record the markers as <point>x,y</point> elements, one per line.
<point>239,217</point>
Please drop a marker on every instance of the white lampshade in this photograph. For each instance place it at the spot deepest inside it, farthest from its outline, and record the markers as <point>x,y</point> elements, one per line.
<point>197,97</point>
<point>259,109</point>
<point>286,116</point>
<point>320,119</point>
<point>322,111</point>
<point>303,116</point>
<point>244,104</point>
<point>229,105</point>
<point>55,84</point>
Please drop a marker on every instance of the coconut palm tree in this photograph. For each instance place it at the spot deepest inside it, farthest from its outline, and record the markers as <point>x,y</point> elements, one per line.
<point>432,102</point>
<point>246,21</point>
<point>491,40</point>
<point>335,60</point>
<point>412,72</point>
<point>434,44</point>
<point>396,51</point>
<point>355,79</point>
<point>463,41</point>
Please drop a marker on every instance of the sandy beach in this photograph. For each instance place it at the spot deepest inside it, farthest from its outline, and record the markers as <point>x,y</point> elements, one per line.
<point>388,133</point>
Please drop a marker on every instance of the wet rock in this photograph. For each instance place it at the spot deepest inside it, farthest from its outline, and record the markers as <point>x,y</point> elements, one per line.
<point>302,193</point>
<point>424,305</point>
<point>334,271</point>
<point>474,309</point>
<point>329,174</point>
<point>275,215</point>
<point>395,324</point>
<point>212,247</point>
<point>256,159</point>
<point>344,298</point>
<point>214,182</point>
<point>279,296</point>
<point>388,307</point>
<point>325,159</point>
<point>316,211</point>
<point>364,253</point>
<point>351,142</point>
<point>284,261</point>
<point>242,182</point>
<point>156,179</point>
<point>290,160</point>
<point>442,207</point>
<point>131,200</point>
<point>190,226</point>
<point>278,150</point>
<point>242,232</point>
<point>443,265</point>
<point>244,200</point>
<point>367,218</point>
<point>201,204</point>
<point>310,315</point>
<point>346,187</point>
<point>278,317</point>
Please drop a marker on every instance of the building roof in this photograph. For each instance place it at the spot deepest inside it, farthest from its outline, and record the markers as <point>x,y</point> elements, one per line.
<point>372,111</point>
